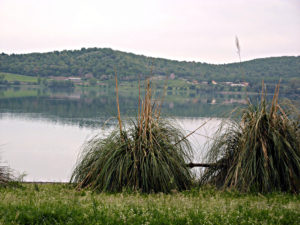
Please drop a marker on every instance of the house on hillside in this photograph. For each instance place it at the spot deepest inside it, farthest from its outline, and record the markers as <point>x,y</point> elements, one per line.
<point>75,80</point>
<point>242,84</point>
<point>59,78</point>
<point>88,76</point>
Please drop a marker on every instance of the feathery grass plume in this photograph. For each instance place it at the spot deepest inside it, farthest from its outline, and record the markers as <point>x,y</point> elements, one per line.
<point>238,47</point>
<point>142,156</point>
<point>259,153</point>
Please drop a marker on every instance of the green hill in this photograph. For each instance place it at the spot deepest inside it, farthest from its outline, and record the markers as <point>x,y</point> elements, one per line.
<point>100,62</point>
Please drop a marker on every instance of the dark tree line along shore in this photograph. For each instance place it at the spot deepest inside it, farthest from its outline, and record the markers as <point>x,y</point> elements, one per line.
<point>100,62</point>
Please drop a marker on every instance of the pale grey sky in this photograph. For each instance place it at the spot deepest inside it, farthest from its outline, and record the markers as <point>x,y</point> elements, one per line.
<point>199,30</point>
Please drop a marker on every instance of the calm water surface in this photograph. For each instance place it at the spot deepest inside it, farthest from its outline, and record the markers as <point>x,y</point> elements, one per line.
<point>47,150</point>
<point>42,131</point>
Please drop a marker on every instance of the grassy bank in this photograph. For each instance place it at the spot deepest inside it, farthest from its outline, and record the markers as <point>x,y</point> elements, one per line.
<point>11,77</point>
<point>61,204</point>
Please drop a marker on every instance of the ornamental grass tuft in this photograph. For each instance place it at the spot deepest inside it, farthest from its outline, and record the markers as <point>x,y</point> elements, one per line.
<point>149,154</point>
<point>259,153</point>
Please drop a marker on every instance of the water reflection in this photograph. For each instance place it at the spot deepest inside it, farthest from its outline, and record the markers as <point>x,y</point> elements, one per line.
<point>47,151</point>
<point>42,130</point>
<point>82,107</point>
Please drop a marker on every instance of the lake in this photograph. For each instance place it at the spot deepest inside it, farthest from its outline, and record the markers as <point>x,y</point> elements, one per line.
<point>42,130</point>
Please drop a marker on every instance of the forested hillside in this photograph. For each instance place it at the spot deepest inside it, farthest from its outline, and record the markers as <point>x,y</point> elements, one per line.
<point>100,62</point>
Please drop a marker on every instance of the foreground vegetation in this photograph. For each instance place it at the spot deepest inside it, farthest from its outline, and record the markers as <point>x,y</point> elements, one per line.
<point>260,152</point>
<point>148,155</point>
<point>61,204</point>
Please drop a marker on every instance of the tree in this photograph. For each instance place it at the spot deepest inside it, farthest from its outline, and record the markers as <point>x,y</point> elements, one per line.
<point>92,81</point>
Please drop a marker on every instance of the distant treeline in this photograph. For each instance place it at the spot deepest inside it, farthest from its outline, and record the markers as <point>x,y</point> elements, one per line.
<point>100,62</point>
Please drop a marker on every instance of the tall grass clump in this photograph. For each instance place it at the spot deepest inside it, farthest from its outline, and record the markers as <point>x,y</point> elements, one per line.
<point>259,153</point>
<point>149,154</point>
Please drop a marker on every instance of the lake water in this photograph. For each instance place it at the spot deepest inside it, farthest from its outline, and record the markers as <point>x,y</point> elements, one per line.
<point>42,131</point>
<point>47,151</point>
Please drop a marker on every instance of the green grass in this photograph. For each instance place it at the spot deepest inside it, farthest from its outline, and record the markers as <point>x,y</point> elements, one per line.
<point>61,204</point>
<point>10,77</point>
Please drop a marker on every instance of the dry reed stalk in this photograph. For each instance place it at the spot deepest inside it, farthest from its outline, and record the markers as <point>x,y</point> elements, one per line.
<point>118,105</point>
<point>142,118</point>
<point>147,105</point>
<point>163,98</point>
<point>139,107</point>
<point>274,105</point>
<point>185,137</point>
<point>262,92</point>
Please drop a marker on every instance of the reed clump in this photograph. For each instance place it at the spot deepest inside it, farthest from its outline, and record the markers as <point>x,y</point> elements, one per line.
<point>259,153</point>
<point>146,154</point>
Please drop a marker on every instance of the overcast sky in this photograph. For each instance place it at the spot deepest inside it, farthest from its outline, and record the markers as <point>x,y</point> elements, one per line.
<point>176,29</point>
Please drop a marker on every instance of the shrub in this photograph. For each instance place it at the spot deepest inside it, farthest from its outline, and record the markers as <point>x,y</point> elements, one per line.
<point>149,155</point>
<point>261,152</point>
